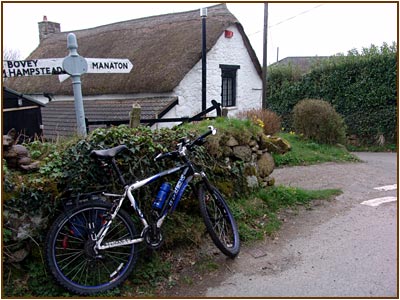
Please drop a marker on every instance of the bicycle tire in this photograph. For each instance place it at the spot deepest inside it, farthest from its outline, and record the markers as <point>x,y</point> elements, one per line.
<point>219,220</point>
<point>70,256</point>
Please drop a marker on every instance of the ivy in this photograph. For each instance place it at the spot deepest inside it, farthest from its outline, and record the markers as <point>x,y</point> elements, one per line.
<point>67,169</point>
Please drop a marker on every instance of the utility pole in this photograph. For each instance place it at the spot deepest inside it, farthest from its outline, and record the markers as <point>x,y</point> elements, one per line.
<point>203,15</point>
<point>277,54</point>
<point>264,69</point>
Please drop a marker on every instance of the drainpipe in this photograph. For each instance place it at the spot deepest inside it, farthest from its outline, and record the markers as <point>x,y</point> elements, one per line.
<point>203,15</point>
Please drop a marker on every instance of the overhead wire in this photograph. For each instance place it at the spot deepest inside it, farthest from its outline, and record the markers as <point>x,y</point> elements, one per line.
<point>295,16</point>
<point>270,37</point>
<point>288,19</point>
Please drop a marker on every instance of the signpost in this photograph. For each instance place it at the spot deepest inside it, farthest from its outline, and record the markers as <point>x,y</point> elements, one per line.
<point>54,66</point>
<point>33,67</point>
<point>108,65</point>
<point>73,65</point>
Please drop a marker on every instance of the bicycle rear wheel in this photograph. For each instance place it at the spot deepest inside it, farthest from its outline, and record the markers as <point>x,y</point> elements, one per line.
<point>72,258</point>
<point>219,220</point>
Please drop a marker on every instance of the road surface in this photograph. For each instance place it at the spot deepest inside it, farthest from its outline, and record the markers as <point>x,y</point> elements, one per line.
<point>345,247</point>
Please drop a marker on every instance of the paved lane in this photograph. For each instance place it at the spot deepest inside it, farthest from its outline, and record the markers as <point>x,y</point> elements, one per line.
<point>338,249</point>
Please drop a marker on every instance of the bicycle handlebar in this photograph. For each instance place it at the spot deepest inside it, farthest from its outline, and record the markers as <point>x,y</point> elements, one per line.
<point>184,142</point>
<point>200,140</point>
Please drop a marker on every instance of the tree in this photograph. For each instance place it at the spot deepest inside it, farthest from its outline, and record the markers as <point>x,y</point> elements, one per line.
<point>11,54</point>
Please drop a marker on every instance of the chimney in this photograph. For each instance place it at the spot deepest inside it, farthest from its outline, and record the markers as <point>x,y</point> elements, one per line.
<point>46,28</point>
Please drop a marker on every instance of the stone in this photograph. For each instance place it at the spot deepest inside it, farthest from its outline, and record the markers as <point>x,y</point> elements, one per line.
<point>18,256</point>
<point>274,144</point>
<point>269,181</point>
<point>227,151</point>
<point>265,165</point>
<point>243,153</point>
<point>253,143</point>
<point>252,181</point>
<point>250,169</point>
<point>255,148</point>
<point>17,156</point>
<point>232,142</point>
<point>134,120</point>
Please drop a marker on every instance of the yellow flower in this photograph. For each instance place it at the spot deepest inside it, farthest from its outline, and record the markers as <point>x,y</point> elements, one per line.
<point>260,123</point>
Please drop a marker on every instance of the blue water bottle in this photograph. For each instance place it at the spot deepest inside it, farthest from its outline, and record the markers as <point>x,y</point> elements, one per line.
<point>162,194</point>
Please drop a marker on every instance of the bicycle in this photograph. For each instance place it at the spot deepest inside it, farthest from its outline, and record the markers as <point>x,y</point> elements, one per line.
<point>93,247</point>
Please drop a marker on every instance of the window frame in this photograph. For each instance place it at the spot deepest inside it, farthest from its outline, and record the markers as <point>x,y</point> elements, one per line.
<point>228,84</point>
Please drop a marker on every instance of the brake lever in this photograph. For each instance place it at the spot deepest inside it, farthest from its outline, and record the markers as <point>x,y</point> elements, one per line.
<point>158,156</point>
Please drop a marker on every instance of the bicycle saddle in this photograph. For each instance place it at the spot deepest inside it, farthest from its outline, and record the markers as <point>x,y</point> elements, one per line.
<point>108,153</point>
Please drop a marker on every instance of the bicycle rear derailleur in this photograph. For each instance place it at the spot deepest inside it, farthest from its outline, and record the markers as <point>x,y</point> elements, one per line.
<point>153,237</point>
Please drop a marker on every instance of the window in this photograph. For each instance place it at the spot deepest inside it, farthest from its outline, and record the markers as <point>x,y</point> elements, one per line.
<point>228,87</point>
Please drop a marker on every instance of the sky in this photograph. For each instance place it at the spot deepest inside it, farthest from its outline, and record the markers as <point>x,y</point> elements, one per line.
<point>294,29</point>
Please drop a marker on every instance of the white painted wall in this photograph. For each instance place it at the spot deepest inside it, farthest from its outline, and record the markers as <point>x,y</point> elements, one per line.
<point>228,51</point>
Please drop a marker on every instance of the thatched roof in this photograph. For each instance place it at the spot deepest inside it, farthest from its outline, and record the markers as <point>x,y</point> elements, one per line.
<point>163,49</point>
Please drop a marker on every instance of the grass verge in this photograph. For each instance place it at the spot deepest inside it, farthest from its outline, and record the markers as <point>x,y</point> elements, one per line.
<point>308,152</point>
<point>373,148</point>
<point>257,215</point>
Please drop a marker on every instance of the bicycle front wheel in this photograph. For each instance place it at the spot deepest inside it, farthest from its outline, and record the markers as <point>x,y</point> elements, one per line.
<point>71,255</point>
<point>219,220</point>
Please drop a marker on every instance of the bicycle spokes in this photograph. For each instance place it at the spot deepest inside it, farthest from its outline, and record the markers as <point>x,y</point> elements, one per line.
<point>76,258</point>
<point>218,218</point>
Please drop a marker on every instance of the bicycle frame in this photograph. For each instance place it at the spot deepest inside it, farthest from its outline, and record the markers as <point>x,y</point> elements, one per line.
<point>186,177</point>
<point>93,246</point>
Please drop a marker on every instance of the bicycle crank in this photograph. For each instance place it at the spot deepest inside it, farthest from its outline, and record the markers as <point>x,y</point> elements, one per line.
<point>153,237</point>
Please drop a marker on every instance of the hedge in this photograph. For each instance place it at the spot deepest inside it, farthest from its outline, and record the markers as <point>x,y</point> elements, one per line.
<point>362,87</point>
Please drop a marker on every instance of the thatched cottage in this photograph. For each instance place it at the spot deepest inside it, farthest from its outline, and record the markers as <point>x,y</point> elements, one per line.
<point>166,77</point>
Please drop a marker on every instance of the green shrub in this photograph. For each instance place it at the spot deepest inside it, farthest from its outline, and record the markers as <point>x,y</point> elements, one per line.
<point>317,120</point>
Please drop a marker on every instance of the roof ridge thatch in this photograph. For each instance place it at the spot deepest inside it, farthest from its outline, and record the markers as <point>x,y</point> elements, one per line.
<point>140,20</point>
<point>162,48</point>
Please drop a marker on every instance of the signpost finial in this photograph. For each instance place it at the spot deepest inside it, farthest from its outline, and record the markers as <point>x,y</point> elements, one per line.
<point>72,44</point>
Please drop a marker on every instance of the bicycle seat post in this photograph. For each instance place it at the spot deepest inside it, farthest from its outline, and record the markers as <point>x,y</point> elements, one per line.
<point>117,170</point>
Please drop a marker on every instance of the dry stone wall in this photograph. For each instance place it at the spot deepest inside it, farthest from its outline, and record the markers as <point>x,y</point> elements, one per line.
<point>256,157</point>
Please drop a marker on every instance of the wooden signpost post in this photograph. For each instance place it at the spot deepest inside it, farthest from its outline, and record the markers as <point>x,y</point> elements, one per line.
<point>74,65</point>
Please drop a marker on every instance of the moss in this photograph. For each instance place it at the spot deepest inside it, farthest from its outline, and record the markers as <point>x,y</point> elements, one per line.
<point>226,187</point>
<point>250,170</point>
